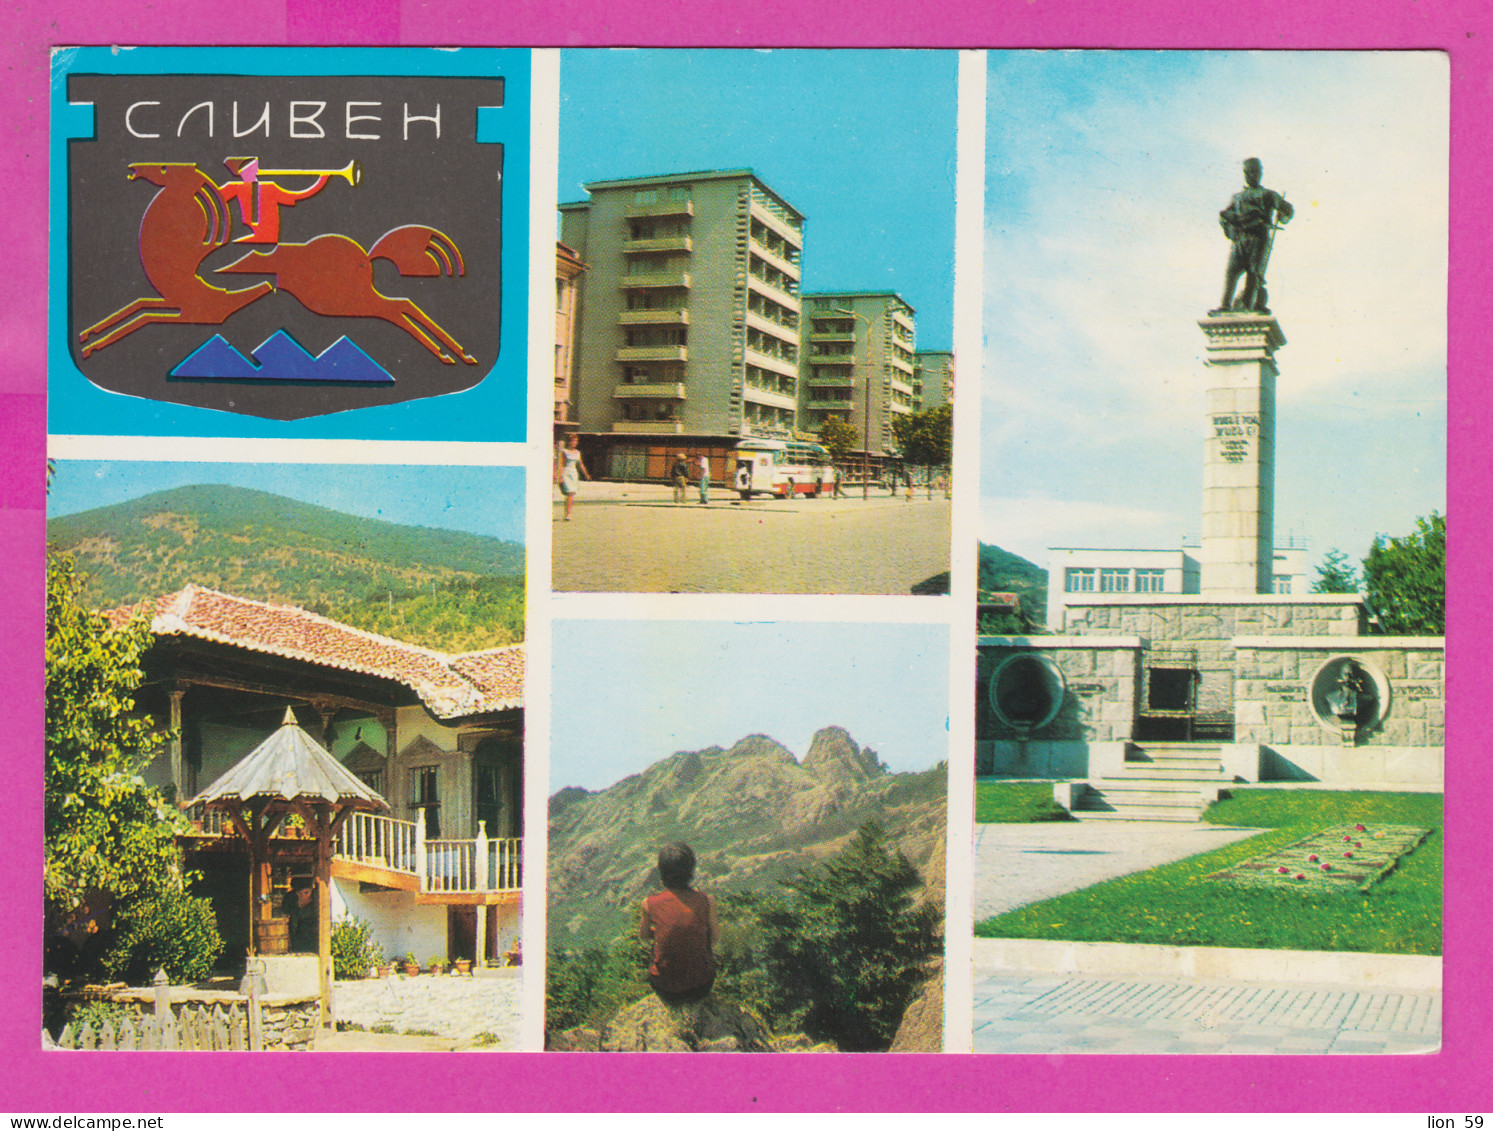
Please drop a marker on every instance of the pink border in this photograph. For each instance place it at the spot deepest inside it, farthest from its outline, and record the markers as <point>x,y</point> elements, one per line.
<point>1457,1079</point>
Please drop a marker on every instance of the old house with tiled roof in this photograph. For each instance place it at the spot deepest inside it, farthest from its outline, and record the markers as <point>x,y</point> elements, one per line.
<point>437,736</point>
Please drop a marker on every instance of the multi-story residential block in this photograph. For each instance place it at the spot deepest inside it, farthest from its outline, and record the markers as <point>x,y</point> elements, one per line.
<point>688,328</point>
<point>858,364</point>
<point>932,378</point>
<point>568,268</point>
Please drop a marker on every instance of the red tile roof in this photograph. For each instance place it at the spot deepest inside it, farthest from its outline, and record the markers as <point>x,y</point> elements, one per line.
<point>450,686</point>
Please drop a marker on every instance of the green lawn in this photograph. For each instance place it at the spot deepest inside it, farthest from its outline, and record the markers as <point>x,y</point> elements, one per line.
<point>1175,905</point>
<point>1016,803</point>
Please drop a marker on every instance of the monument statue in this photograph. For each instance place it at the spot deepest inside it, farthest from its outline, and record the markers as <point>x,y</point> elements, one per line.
<point>1250,221</point>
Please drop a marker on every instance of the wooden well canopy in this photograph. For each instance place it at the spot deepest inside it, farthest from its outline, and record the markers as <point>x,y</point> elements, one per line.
<point>290,772</point>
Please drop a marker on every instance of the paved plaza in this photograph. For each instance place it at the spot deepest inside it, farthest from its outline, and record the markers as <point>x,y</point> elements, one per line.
<point>1020,864</point>
<point>1062,998</point>
<point>1024,1012</point>
<point>632,538</point>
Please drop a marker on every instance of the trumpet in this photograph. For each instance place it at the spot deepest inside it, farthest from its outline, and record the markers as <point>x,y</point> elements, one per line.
<point>352,172</point>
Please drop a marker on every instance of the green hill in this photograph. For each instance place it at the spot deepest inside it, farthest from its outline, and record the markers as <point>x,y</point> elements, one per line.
<point>1004,572</point>
<point>442,588</point>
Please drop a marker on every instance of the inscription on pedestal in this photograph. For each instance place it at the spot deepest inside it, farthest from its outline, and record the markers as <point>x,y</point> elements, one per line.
<point>1234,431</point>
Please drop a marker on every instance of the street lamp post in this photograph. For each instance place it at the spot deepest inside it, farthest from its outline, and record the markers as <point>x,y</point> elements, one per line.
<point>865,435</point>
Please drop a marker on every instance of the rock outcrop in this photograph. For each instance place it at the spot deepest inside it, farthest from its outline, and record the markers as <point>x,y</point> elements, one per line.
<point>921,1029</point>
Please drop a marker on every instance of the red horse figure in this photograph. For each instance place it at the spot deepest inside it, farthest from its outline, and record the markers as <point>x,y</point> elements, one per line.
<point>184,224</point>
<point>332,275</point>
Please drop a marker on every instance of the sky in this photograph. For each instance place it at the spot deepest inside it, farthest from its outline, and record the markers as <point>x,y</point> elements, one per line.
<point>1105,174</point>
<point>477,500</point>
<point>860,142</point>
<point>626,694</point>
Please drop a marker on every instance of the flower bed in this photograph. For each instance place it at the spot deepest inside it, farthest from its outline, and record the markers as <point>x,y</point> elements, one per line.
<point>1337,858</point>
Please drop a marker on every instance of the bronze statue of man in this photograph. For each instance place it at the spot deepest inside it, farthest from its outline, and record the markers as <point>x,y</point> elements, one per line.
<point>1250,221</point>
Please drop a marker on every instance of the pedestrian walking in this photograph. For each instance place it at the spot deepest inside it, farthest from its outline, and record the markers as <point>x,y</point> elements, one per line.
<point>680,474</point>
<point>569,468</point>
<point>704,465</point>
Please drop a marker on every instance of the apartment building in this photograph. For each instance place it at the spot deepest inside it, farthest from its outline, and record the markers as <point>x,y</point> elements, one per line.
<point>858,364</point>
<point>688,331</point>
<point>932,379</point>
<point>568,268</point>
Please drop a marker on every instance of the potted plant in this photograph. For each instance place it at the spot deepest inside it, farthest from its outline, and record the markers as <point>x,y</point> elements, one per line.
<point>411,964</point>
<point>437,963</point>
<point>463,965</point>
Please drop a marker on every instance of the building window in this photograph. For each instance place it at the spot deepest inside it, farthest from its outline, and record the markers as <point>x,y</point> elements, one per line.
<point>1280,583</point>
<point>645,196</point>
<point>1079,581</point>
<point>1114,581</point>
<point>679,192</point>
<point>1150,580</point>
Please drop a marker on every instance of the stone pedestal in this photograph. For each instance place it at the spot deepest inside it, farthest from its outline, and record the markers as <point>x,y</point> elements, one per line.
<point>1238,540</point>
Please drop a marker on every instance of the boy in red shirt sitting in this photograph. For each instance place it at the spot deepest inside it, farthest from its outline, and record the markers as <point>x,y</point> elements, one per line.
<point>682,925</point>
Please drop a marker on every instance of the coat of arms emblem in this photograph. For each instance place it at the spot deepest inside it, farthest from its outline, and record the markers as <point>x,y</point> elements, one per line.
<point>284,246</point>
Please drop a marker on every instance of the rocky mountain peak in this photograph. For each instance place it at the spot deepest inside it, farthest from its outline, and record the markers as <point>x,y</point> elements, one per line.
<point>833,753</point>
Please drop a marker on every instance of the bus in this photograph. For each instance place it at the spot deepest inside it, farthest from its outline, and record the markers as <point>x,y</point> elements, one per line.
<point>782,468</point>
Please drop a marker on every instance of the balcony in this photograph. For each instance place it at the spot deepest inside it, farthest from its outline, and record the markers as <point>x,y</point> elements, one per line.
<point>847,359</point>
<point>786,230</point>
<point>653,318</point>
<point>897,362</point>
<point>771,326</point>
<point>663,243</point>
<point>653,353</point>
<point>786,266</point>
<point>667,279</point>
<point>843,405</point>
<point>901,319</point>
<point>656,390</point>
<point>769,397</point>
<point>830,382</point>
<point>373,848</point>
<point>770,363</point>
<point>648,427</point>
<point>832,336</point>
<point>662,208</point>
<point>773,291</point>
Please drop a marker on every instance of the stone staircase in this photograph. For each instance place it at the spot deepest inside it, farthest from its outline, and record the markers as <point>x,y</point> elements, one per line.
<point>1160,782</point>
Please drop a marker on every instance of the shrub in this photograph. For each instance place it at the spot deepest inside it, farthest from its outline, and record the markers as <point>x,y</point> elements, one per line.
<point>353,949</point>
<point>845,953</point>
<point>169,930</point>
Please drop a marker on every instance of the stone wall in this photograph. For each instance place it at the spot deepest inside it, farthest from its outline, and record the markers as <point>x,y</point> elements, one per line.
<point>1272,696</point>
<point>1099,703</point>
<point>1196,621</point>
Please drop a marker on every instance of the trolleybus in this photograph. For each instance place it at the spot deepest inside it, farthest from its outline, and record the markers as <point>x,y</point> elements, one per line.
<point>782,468</point>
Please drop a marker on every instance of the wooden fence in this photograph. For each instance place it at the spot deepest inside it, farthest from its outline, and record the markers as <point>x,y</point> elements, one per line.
<point>195,1029</point>
<point>192,1028</point>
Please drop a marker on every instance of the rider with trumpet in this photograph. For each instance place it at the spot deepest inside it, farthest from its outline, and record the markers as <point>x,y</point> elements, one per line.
<point>260,201</point>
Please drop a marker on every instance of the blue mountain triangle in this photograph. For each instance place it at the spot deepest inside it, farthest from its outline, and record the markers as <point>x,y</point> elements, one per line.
<point>216,360</point>
<point>281,358</point>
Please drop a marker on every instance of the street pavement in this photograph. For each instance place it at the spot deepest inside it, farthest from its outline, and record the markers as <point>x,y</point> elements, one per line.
<point>632,538</point>
<point>1032,1013</point>
<point>1035,1011</point>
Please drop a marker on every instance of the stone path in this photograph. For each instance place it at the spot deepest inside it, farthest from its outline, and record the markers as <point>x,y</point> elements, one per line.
<point>1020,864</point>
<point>1021,1012</point>
<point>626,538</point>
<point>450,1008</point>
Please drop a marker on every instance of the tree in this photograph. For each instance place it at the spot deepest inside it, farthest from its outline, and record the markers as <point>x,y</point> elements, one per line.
<point>1405,579</point>
<point>926,438</point>
<point>839,437</point>
<point>106,831</point>
<point>1336,574</point>
<point>844,953</point>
